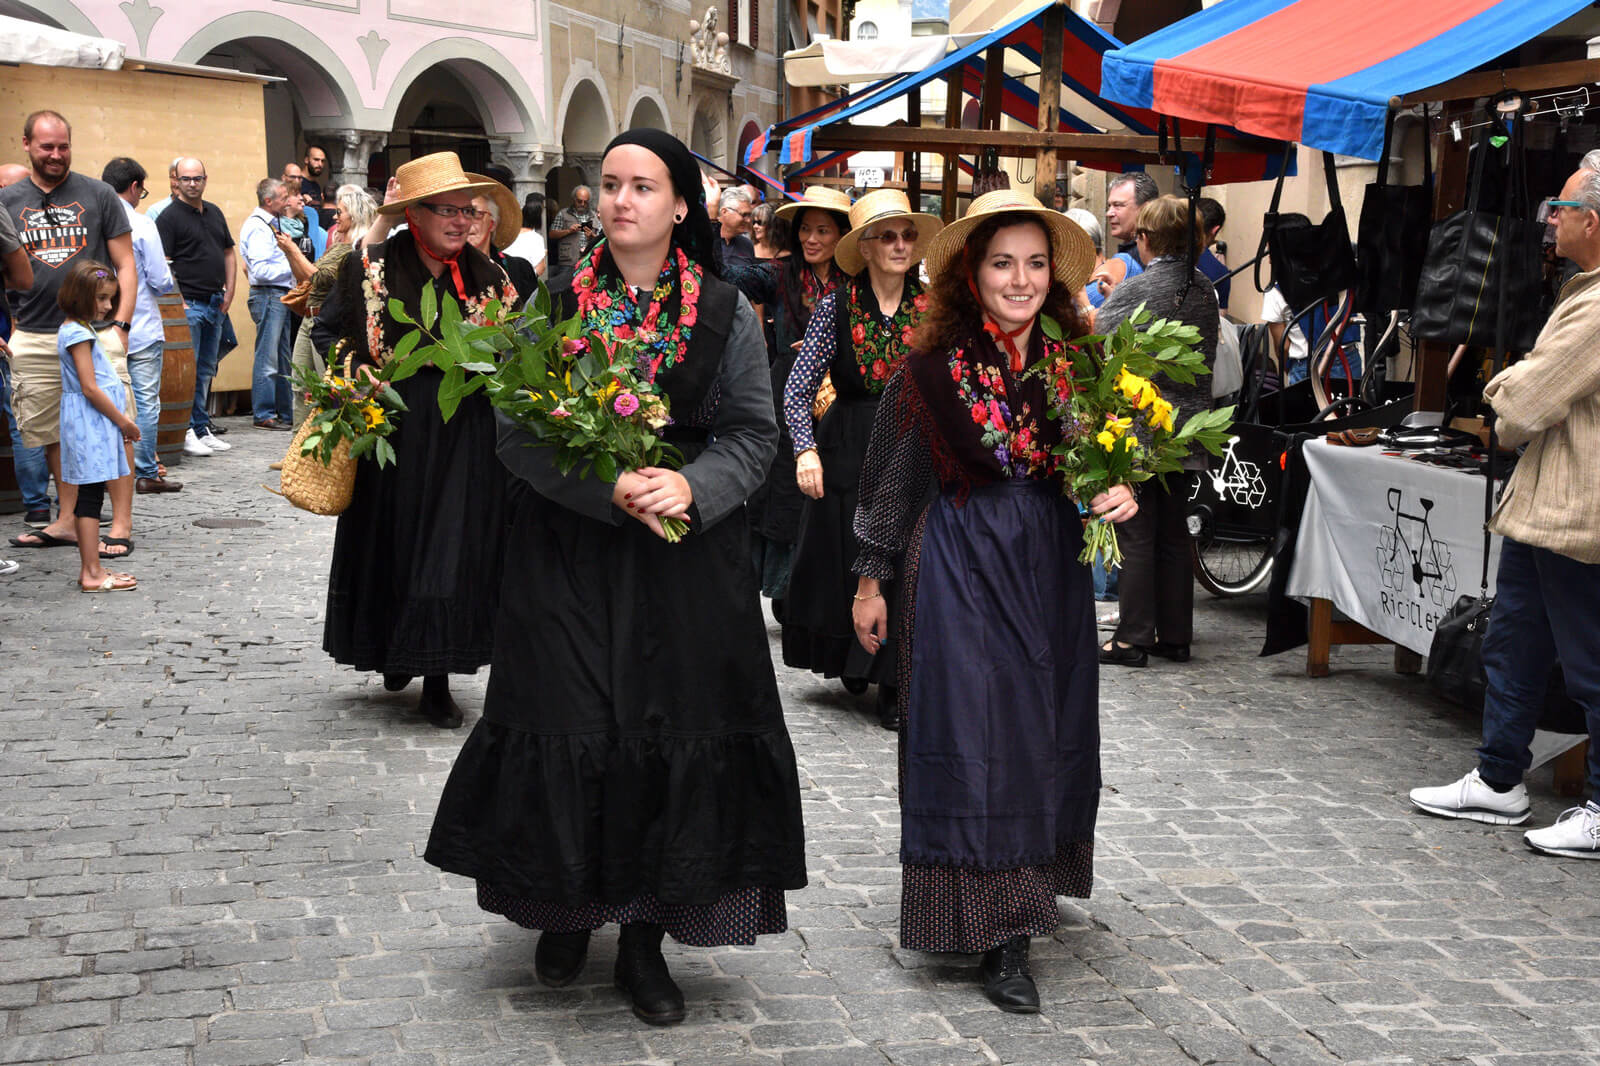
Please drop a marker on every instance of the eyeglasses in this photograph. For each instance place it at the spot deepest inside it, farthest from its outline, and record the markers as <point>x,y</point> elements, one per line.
<point>890,237</point>
<point>191,181</point>
<point>143,192</point>
<point>451,210</point>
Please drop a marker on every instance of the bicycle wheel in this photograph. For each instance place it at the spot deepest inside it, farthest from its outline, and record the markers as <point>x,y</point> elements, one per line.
<point>1232,567</point>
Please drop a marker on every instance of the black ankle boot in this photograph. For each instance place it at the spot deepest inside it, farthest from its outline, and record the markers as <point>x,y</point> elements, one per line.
<point>436,705</point>
<point>396,682</point>
<point>559,957</point>
<point>889,708</point>
<point>1006,980</point>
<point>642,973</point>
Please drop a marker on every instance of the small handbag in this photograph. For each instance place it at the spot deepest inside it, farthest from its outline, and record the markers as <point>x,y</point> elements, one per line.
<point>1460,289</point>
<point>824,397</point>
<point>1455,658</point>
<point>1311,261</point>
<point>1392,235</point>
<point>298,299</point>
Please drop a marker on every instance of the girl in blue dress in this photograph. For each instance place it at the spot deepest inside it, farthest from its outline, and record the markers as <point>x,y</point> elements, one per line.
<point>95,424</point>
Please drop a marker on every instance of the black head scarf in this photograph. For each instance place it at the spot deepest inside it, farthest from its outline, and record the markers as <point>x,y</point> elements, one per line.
<point>693,234</point>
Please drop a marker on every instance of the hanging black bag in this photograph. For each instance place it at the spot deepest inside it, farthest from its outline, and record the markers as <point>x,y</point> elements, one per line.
<point>1392,236</point>
<point>1311,261</point>
<point>1456,301</point>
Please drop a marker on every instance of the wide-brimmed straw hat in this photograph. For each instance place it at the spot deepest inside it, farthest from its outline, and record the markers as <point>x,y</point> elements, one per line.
<point>881,205</point>
<point>1071,250</point>
<point>431,175</point>
<point>829,199</point>
<point>509,228</point>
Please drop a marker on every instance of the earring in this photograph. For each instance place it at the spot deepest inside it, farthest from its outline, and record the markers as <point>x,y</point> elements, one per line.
<point>678,218</point>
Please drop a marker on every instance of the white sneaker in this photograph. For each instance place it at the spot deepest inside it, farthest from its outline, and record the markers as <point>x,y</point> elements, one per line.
<point>1470,798</point>
<point>1575,835</point>
<point>9,566</point>
<point>193,445</point>
<point>214,442</point>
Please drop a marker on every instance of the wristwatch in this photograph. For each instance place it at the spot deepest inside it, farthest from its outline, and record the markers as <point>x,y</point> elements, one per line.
<point>124,326</point>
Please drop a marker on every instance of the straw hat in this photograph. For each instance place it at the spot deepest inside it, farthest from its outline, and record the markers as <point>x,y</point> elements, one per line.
<point>880,205</point>
<point>509,228</point>
<point>829,199</point>
<point>429,176</point>
<point>1071,250</point>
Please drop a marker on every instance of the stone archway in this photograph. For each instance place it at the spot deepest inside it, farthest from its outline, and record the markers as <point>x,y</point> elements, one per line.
<point>647,113</point>
<point>586,129</point>
<point>707,136</point>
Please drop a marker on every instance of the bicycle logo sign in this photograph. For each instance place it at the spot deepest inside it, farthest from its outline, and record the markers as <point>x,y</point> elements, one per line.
<point>1234,481</point>
<point>1416,569</point>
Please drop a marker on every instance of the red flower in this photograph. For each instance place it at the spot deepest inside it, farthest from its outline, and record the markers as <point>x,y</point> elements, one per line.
<point>955,373</point>
<point>920,302</point>
<point>880,370</point>
<point>602,299</point>
<point>905,335</point>
<point>980,413</point>
<point>858,333</point>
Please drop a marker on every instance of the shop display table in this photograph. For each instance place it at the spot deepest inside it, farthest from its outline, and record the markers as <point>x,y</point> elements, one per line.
<point>1391,543</point>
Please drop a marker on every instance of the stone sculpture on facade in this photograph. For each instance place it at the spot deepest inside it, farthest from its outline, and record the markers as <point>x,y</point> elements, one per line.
<point>708,48</point>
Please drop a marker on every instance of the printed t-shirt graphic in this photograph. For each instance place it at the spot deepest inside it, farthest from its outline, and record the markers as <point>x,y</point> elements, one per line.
<point>54,233</point>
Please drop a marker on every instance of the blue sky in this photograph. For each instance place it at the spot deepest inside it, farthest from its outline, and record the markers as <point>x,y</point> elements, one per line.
<point>930,9</point>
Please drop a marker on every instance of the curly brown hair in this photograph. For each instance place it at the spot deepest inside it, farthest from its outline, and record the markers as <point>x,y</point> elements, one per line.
<point>954,314</point>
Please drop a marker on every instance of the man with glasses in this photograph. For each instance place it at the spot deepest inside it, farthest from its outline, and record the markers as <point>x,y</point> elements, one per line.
<point>147,338</point>
<point>733,215</point>
<point>62,218</point>
<point>575,228</point>
<point>271,390</point>
<point>1127,194</point>
<point>200,245</point>
<point>1547,592</point>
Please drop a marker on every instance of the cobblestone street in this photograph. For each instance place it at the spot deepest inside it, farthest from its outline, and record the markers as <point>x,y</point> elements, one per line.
<point>211,835</point>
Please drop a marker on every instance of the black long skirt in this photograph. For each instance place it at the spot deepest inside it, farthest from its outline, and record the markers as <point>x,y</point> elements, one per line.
<point>1000,738</point>
<point>818,632</point>
<point>415,573</point>
<point>632,761</point>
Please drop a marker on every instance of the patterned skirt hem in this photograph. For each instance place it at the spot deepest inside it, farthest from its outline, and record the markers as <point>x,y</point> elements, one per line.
<point>957,909</point>
<point>737,918</point>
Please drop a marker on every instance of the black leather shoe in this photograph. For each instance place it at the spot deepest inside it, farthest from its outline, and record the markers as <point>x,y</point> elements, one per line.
<point>396,682</point>
<point>1114,654</point>
<point>440,710</point>
<point>559,958</point>
<point>1006,980</point>
<point>642,973</point>
<point>889,708</point>
<point>1178,653</point>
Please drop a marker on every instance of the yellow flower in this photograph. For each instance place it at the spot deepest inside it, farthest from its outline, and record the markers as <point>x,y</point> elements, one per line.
<point>608,392</point>
<point>1160,416</point>
<point>1148,395</point>
<point>373,414</point>
<point>1117,426</point>
<point>1131,385</point>
<point>1107,439</point>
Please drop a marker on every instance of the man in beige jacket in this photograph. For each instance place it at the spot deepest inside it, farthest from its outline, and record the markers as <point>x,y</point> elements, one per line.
<point>1547,592</point>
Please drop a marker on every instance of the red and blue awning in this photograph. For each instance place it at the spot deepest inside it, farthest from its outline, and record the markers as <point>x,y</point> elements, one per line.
<point>1084,108</point>
<point>1320,72</point>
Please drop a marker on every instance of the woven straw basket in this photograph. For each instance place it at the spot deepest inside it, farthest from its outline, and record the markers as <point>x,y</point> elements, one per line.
<point>313,487</point>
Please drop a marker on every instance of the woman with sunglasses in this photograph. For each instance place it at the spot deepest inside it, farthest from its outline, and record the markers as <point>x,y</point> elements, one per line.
<point>858,334</point>
<point>413,585</point>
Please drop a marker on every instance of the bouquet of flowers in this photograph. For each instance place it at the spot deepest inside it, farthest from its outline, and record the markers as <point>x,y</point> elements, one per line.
<point>1116,427</point>
<point>586,398</point>
<point>345,408</point>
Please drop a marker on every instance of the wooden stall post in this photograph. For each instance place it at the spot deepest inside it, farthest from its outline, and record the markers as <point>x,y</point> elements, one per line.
<point>914,158</point>
<point>1049,101</point>
<point>952,157</point>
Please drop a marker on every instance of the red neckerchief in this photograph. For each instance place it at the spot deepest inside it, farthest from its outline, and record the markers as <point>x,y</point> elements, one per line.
<point>1004,339</point>
<point>449,261</point>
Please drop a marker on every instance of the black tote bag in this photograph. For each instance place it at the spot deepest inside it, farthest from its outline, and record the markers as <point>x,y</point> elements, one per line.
<point>1311,261</point>
<point>1392,235</point>
<point>1456,300</point>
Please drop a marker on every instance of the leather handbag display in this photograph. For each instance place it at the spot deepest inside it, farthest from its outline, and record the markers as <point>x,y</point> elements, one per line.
<point>1311,261</point>
<point>1457,295</point>
<point>1392,235</point>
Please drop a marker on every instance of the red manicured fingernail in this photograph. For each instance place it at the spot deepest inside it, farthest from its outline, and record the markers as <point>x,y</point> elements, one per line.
<point>627,495</point>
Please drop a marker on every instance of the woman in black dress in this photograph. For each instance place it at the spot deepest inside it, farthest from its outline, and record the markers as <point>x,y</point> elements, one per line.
<point>858,334</point>
<point>408,591</point>
<point>790,288</point>
<point>999,734</point>
<point>632,764</point>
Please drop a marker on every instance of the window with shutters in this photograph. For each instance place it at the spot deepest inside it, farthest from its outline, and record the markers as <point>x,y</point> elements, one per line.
<point>744,25</point>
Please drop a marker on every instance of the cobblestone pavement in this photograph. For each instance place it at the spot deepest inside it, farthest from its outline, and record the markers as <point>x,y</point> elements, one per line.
<point>210,838</point>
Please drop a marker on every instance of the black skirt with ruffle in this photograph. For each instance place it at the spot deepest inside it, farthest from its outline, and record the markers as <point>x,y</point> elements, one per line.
<point>415,573</point>
<point>632,745</point>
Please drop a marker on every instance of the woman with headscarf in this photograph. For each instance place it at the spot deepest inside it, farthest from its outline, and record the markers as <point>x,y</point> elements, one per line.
<point>790,288</point>
<point>632,763</point>
<point>999,733</point>
<point>858,334</point>
<point>408,590</point>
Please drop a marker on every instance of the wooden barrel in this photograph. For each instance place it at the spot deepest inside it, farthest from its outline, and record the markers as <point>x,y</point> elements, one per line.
<point>177,381</point>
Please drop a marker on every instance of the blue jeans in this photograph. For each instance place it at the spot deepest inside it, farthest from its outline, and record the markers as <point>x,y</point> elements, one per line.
<point>271,389</point>
<point>1546,608</point>
<point>33,472</point>
<point>144,370</point>
<point>205,333</point>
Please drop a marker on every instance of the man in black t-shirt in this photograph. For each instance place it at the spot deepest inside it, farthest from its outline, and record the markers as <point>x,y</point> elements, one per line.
<point>196,238</point>
<point>314,167</point>
<point>62,218</point>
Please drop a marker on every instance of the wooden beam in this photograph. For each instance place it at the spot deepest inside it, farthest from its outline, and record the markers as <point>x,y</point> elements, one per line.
<point>1049,100</point>
<point>914,159</point>
<point>1528,79</point>
<point>952,169</point>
